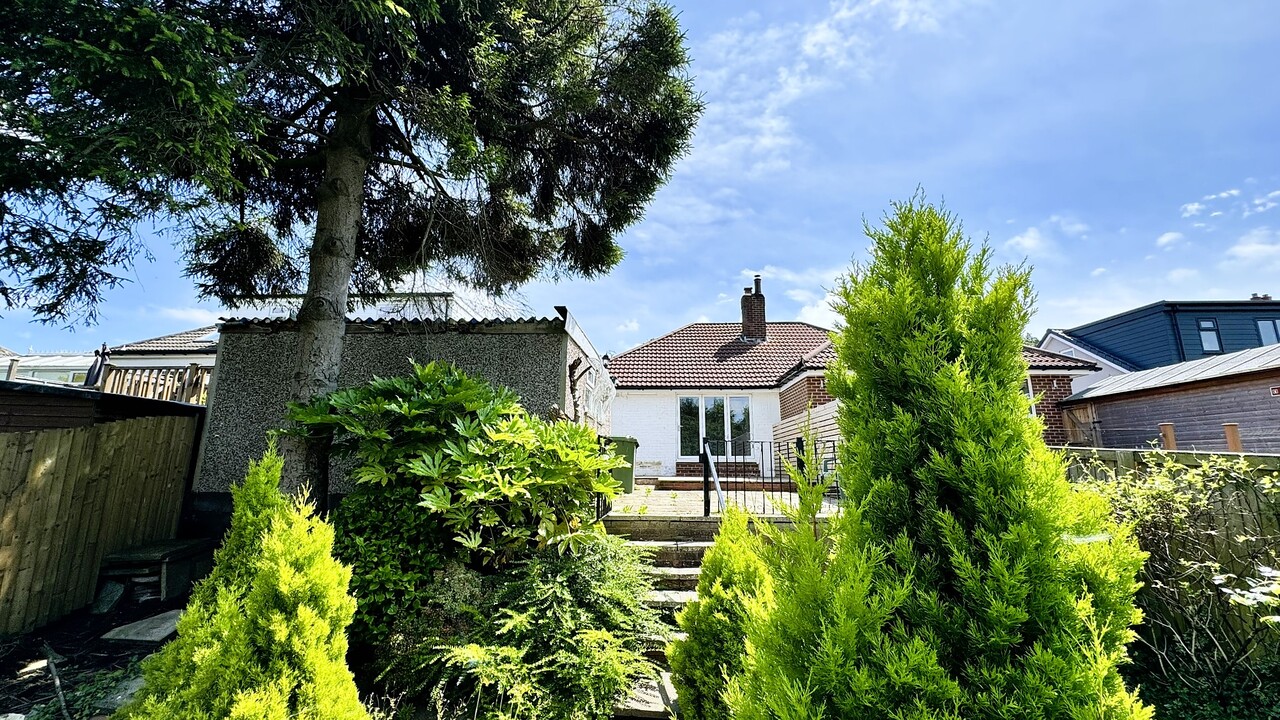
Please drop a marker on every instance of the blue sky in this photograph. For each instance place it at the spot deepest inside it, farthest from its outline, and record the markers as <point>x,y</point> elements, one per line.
<point>1129,151</point>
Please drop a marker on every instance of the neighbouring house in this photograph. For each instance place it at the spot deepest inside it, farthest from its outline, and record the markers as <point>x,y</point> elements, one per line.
<point>1050,377</point>
<point>549,362</point>
<point>175,367</point>
<point>1168,332</point>
<point>727,382</point>
<point>745,386</point>
<point>59,368</point>
<point>1058,341</point>
<point>6,352</point>
<point>1197,397</point>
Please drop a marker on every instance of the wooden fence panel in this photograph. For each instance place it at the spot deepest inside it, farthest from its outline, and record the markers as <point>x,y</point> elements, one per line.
<point>70,497</point>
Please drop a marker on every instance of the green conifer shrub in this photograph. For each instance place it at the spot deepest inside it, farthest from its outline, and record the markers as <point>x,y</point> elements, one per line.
<point>558,636</point>
<point>733,572</point>
<point>965,578</point>
<point>264,637</point>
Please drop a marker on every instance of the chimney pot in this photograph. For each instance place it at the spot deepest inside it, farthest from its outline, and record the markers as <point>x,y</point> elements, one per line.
<point>757,284</point>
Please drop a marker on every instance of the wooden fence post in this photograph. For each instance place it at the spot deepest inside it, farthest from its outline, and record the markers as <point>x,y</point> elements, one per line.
<point>1232,431</point>
<point>1168,440</point>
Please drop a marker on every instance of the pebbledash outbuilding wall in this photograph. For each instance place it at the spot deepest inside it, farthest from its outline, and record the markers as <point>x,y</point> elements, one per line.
<point>549,362</point>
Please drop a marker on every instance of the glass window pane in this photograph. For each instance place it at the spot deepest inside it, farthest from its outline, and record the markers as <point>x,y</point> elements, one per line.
<point>1209,341</point>
<point>713,417</point>
<point>689,427</point>
<point>740,425</point>
<point>1267,329</point>
<point>1207,324</point>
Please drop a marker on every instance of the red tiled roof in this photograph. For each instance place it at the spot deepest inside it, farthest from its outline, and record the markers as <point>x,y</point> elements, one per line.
<point>1040,359</point>
<point>714,355</point>
<point>200,340</point>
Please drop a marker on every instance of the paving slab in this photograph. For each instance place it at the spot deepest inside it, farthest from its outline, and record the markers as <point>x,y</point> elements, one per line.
<point>155,629</point>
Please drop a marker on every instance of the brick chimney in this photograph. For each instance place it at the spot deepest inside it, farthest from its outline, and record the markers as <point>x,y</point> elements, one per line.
<point>753,322</point>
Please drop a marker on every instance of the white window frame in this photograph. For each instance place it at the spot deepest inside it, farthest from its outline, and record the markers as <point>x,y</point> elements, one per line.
<point>702,417</point>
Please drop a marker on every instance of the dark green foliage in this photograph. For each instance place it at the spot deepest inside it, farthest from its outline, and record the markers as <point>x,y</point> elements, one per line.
<point>493,140</point>
<point>733,573</point>
<point>557,636</point>
<point>499,479</point>
<point>1207,647</point>
<point>266,636</point>
<point>965,578</point>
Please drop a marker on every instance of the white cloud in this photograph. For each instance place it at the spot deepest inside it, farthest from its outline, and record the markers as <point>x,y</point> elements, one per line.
<point>1098,272</point>
<point>1032,242</point>
<point>1258,247</point>
<point>1191,209</point>
<point>802,295</point>
<point>1178,275</point>
<point>1069,225</point>
<point>820,313</point>
<point>629,326</point>
<point>1233,192</point>
<point>1169,239</point>
<point>193,315</point>
<point>809,278</point>
<point>751,75</point>
<point>1215,213</point>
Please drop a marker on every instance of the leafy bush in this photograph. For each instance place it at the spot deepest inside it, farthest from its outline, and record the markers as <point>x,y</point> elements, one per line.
<point>733,573</point>
<point>965,578</point>
<point>499,479</point>
<point>557,636</point>
<point>272,641</point>
<point>1207,647</point>
<point>449,466</point>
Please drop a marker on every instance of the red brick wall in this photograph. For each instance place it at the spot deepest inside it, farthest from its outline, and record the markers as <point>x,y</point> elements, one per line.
<point>723,469</point>
<point>800,396</point>
<point>1050,389</point>
<point>753,319</point>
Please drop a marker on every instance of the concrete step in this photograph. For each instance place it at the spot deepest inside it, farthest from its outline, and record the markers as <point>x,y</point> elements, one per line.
<point>675,578</point>
<point>671,600</point>
<point>650,700</point>
<point>656,647</point>
<point>675,553</point>
<point>662,527</point>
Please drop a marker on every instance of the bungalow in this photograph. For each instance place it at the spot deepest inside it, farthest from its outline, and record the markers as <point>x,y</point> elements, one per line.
<point>741,385</point>
<point>727,382</point>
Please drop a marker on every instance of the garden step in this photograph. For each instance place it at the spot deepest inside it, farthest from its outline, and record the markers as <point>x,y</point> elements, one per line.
<point>649,700</point>
<point>675,578</point>
<point>656,647</point>
<point>675,553</point>
<point>661,527</point>
<point>670,599</point>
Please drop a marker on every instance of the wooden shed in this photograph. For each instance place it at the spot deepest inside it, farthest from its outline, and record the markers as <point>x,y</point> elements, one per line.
<point>1197,398</point>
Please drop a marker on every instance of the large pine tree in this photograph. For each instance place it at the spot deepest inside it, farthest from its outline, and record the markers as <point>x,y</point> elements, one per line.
<point>966,578</point>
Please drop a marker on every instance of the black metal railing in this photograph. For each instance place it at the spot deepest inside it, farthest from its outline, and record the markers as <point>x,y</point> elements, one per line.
<point>755,475</point>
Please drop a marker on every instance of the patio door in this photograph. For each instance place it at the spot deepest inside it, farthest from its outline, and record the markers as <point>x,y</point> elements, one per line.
<point>725,420</point>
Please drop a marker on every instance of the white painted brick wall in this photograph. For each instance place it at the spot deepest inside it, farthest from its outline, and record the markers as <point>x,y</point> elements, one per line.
<point>652,417</point>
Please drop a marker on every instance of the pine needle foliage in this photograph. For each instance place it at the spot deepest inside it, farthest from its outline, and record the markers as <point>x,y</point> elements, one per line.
<point>965,578</point>
<point>733,572</point>
<point>264,637</point>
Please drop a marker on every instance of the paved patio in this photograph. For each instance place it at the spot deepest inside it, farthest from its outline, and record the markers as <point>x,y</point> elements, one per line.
<point>647,500</point>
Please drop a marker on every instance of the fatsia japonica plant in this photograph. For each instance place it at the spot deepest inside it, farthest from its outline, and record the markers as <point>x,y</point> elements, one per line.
<point>499,479</point>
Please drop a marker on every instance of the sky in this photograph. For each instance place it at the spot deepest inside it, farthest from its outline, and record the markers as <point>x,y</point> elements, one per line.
<point>1129,152</point>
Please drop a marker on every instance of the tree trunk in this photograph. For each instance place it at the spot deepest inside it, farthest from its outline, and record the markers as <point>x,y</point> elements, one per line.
<point>322,317</point>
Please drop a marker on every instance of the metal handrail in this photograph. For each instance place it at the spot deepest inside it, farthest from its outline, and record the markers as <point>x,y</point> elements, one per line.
<point>710,477</point>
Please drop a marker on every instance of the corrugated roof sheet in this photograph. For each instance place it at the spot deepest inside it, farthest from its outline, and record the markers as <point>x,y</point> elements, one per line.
<point>714,355</point>
<point>199,340</point>
<point>6,352</point>
<point>1218,366</point>
<point>288,322</point>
